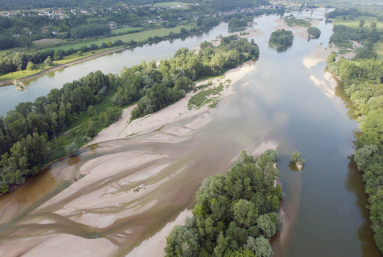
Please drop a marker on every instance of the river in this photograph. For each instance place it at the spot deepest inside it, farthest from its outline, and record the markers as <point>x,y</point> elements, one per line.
<point>279,100</point>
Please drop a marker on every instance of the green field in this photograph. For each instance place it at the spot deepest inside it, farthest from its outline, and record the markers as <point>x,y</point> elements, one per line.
<point>140,36</point>
<point>122,30</point>
<point>355,23</point>
<point>41,66</point>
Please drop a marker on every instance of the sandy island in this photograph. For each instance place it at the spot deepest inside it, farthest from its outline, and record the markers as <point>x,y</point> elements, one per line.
<point>283,24</point>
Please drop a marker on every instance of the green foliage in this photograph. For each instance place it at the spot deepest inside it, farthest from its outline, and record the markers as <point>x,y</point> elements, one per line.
<point>31,66</point>
<point>313,31</point>
<point>201,98</point>
<point>79,53</point>
<point>297,158</point>
<point>90,30</point>
<point>71,148</point>
<point>48,61</point>
<point>361,23</point>
<point>362,80</point>
<point>281,38</point>
<point>331,58</point>
<point>274,156</point>
<point>58,55</point>
<point>156,87</point>
<point>233,216</point>
<point>291,21</point>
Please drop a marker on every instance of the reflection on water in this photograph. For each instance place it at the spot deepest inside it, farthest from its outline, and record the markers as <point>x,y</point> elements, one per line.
<point>324,208</point>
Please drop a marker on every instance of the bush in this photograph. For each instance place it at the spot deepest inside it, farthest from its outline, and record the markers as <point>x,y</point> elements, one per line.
<point>31,66</point>
<point>313,31</point>
<point>297,158</point>
<point>79,53</point>
<point>48,61</point>
<point>71,148</point>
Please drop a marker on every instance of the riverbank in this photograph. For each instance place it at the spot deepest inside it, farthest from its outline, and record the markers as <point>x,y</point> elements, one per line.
<point>61,66</point>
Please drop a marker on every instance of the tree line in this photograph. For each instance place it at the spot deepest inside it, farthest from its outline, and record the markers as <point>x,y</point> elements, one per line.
<point>90,30</point>
<point>362,79</point>
<point>156,87</point>
<point>9,41</point>
<point>235,213</point>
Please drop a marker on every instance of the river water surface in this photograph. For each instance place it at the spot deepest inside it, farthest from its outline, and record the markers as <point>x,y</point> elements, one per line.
<point>325,203</point>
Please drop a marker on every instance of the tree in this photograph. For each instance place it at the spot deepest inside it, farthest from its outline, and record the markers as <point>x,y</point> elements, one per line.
<point>90,129</point>
<point>90,110</point>
<point>274,156</point>
<point>363,156</point>
<point>331,58</point>
<point>373,25</point>
<point>58,55</point>
<point>31,66</point>
<point>79,53</point>
<point>297,158</point>
<point>361,23</point>
<point>48,61</point>
<point>260,246</point>
<point>72,148</point>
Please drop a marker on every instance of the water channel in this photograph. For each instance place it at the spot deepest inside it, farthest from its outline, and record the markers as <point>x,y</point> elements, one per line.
<point>278,101</point>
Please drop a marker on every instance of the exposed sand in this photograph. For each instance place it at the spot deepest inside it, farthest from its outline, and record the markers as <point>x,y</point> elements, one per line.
<point>320,54</point>
<point>302,34</point>
<point>173,113</point>
<point>155,245</point>
<point>57,245</point>
<point>265,146</point>
<point>280,27</point>
<point>314,23</point>
<point>299,166</point>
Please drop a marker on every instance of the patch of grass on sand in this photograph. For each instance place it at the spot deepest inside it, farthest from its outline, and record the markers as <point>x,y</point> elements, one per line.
<point>202,98</point>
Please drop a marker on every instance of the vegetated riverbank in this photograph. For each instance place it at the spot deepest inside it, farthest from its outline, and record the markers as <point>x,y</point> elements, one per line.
<point>131,175</point>
<point>58,67</point>
<point>83,98</point>
<point>18,79</point>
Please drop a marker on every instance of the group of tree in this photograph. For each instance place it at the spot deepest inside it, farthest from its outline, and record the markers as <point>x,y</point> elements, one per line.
<point>90,30</point>
<point>18,60</point>
<point>156,87</point>
<point>362,80</point>
<point>313,31</point>
<point>9,41</point>
<point>153,87</point>
<point>343,34</point>
<point>26,130</point>
<point>281,38</point>
<point>235,213</point>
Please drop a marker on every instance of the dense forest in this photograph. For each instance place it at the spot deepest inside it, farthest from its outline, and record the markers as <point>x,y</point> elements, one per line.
<point>362,80</point>
<point>281,38</point>
<point>90,30</point>
<point>29,135</point>
<point>235,213</point>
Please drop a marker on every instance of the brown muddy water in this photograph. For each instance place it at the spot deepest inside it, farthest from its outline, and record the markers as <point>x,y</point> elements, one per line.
<point>324,207</point>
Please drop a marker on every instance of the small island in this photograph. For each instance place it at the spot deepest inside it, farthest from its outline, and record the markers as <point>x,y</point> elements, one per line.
<point>313,31</point>
<point>281,38</point>
<point>291,21</point>
<point>297,158</point>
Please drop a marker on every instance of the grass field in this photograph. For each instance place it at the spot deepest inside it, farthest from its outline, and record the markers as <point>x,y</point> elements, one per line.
<point>48,41</point>
<point>41,66</point>
<point>355,23</point>
<point>140,36</point>
<point>116,31</point>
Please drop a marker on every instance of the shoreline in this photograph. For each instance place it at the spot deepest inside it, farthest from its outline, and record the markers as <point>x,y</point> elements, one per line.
<point>61,66</point>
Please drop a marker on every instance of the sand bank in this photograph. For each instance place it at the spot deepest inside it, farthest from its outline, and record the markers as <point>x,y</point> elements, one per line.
<point>265,146</point>
<point>155,245</point>
<point>314,23</point>
<point>302,34</point>
<point>174,113</point>
<point>57,245</point>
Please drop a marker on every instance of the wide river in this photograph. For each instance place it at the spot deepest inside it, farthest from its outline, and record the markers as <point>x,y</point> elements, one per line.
<point>325,204</point>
